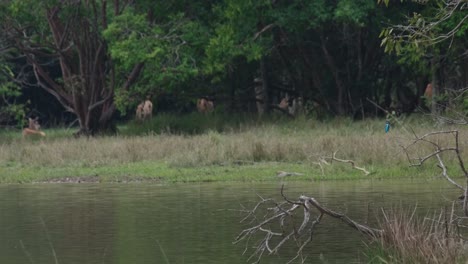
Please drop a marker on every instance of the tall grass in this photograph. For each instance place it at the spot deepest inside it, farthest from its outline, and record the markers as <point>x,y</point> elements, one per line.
<point>199,140</point>
<point>408,238</point>
<point>188,124</point>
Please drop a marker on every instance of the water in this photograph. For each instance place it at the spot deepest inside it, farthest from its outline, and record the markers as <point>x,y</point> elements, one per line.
<point>183,223</point>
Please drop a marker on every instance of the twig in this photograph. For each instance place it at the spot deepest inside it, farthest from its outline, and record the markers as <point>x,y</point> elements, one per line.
<point>48,239</point>
<point>26,252</point>
<point>163,253</point>
<point>267,27</point>
<point>312,202</point>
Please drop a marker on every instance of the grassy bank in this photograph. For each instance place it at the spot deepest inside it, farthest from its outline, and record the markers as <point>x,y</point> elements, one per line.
<point>216,148</point>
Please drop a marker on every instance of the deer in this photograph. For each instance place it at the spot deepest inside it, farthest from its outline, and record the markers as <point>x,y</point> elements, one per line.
<point>205,105</point>
<point>147,109</point>
<point>139,111</point>
<point>284,104</point>
<point>33,128</point>
<point>144,110</point>
<point>293,109</point>
<point>428,91</point>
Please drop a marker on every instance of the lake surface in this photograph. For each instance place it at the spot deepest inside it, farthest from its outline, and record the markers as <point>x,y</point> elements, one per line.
<point>184,223</point>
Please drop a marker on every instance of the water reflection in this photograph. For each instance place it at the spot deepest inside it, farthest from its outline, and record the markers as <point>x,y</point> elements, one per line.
<point>141,223</point>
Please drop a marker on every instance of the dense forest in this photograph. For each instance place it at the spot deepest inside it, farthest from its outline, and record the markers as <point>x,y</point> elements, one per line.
<point>95,61</point>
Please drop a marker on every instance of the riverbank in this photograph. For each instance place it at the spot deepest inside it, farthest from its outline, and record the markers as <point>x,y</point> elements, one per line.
<point>146,171</point>
<point>253,152</point>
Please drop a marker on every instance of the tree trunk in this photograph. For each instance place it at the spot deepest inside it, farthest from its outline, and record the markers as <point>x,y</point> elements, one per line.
<point>262,97</point>
<point>87,83</point>
<point>435,84</point>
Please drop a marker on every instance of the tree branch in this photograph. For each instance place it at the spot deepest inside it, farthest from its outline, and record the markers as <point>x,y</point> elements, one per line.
<point>366,172</point>
<point>426,138</point>
<point>284,213</point>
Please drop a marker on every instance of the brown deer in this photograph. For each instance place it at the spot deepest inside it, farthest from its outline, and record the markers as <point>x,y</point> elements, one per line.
<point>33,128</point>
<point>428,91</point>
<point>205,105</point>
<point>139,111</point>
<point>144,110</point>
<point>284,104</point>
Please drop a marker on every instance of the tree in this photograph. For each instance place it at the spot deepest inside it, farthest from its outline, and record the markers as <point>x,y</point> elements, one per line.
<point>435,37</point>
<point>438,22</point>
<point>62,43</point>
<point>168,39</point>
<point>326,53</point>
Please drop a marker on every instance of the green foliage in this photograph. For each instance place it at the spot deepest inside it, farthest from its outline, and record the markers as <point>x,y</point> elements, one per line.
<point>123,101</point>
<point>128,37</point>
<point>386,2</point>
<point>354,11</point>
<point>234,35</point>
<point>20,13</point>
<point>169,51</point>
<point>9,91</point>
<point>465,105</point>
<point>429,25</point>
<point>198,48</point>
<point>299,16</point>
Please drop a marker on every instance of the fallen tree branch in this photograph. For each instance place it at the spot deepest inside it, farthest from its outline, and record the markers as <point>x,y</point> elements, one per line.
<point>311,202</point>
<point>353,164</point>
<point>280,223</point>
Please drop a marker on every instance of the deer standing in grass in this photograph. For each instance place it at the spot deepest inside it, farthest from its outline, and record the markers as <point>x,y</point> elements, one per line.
<point>33,128</point>
<point>284,104</point>
<point>205,105</point>
<point>144,110</point>
<point>428,91</point>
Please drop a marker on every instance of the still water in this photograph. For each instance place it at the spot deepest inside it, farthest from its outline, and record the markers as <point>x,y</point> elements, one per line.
<point>184,223</point>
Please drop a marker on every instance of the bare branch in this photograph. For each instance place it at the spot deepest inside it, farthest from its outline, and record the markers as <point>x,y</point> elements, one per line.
<point>313,213</point>
<point>311,202</point>
<point>428,139</point>
<point>444,173</point>
<point>435,153</point>
<point>269,26</point>
<point>334,158</point>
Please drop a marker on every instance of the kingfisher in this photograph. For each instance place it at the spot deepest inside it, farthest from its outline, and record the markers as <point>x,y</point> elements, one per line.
<point>387,126</point>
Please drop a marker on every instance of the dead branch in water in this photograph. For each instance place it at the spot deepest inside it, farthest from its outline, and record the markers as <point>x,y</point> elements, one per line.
<point>437,150</point>
<point>280,225</point>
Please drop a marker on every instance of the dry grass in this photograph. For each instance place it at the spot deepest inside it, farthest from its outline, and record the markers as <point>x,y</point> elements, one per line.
<point>365,142</point>
<point>411,239</point>
<point>261,144</point>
